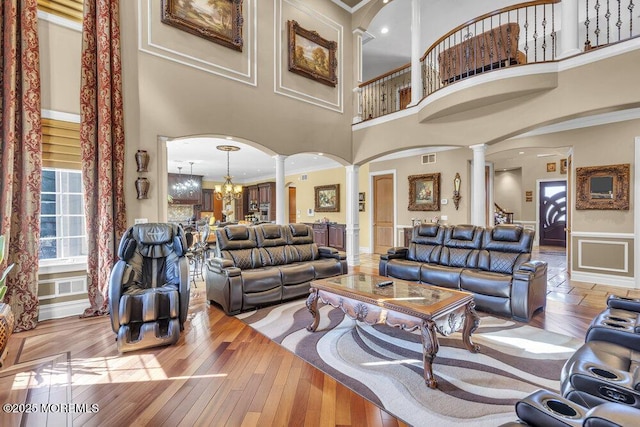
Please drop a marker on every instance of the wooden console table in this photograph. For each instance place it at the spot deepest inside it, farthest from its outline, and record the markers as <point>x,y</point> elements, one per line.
<point>492,49</point>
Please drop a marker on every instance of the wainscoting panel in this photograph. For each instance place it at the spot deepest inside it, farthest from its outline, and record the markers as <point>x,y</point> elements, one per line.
<point>603,258</point>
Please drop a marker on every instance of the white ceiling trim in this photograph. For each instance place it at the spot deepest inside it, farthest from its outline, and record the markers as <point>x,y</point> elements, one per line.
<point>351,9</point>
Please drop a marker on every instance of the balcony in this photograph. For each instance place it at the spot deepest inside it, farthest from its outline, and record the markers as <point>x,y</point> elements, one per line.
<point>511,41</point>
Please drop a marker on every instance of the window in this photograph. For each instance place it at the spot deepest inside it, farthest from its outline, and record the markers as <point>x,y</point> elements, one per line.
<point>63,236</point>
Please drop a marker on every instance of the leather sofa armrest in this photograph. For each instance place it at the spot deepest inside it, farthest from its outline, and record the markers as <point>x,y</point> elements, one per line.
<point>115,292</point>
<point>623,303</point>
<point>395,253</point>
<point>223,265</point>
<point>327,252</point>
<point>528,290</point>
<point>534,266</point>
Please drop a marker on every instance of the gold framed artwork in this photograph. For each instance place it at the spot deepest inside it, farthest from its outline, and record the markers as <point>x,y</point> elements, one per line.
<point>603,187</point>
<point>327,198</point>
<point>551,167</point>
<point>563,166</point>
<point>528,196</point>
<point>424,192</point>
<point>219,21</point>
<point>312,56</point>
<point>361,197</point>
<point>360,206</point>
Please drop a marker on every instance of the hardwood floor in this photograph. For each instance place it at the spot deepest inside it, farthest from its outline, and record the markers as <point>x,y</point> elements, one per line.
<point>221,372</point>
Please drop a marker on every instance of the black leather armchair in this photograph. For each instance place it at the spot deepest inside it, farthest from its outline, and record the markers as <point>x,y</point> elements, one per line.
<point>149,287</point>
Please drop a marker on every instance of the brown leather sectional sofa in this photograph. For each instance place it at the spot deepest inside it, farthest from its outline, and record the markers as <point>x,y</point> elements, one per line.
<point>266,264</point>
<point>494,264</point>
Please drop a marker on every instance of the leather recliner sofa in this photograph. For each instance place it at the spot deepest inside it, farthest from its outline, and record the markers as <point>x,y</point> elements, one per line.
<point>267,264</point>
<point>493,263</point>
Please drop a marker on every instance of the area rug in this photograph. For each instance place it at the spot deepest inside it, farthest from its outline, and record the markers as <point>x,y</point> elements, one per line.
<point>384,364</point>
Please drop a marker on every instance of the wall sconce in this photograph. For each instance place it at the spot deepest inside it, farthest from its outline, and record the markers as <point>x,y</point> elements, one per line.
<point>456,190</point>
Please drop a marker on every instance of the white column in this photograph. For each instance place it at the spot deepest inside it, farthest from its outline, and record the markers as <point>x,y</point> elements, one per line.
<point>569,44</point>
<point>479,194</point>
<point>357,71</point>
<point>353,216</point>
<point>280,190</point>
<point>416,74</point>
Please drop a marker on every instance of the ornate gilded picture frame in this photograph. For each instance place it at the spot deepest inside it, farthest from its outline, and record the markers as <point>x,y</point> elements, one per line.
<point>603,187</point>
<point>219,21</point>
<point>424,192</point>
<point>312,56</point>
<point>327,198</point>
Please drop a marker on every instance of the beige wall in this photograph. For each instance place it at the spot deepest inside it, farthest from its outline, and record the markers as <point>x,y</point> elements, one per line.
<point>172,99</point>
<point>508,193</point>
<point>447,164</point>
<point>305,194</point>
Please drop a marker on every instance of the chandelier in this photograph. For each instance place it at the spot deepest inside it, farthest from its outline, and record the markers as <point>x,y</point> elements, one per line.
<point>185,186</point>
<point>228,192</point>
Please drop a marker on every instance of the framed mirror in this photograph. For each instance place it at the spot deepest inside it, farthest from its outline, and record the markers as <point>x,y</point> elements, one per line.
<point>603,187</point>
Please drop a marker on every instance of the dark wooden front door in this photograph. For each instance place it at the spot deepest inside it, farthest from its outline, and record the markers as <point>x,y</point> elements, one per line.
<point>553,213</point>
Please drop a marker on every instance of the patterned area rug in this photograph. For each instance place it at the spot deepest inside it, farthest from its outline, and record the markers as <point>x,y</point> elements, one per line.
<point>384,364</point>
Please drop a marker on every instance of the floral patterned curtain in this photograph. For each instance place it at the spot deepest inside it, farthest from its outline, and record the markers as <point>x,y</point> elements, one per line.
<point>21,155</point>
<point>102,145</point>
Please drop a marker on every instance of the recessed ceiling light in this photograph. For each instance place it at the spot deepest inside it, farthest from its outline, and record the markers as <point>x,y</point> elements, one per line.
<point>320,154</point>
<point>385,1</point>
<point>522,152</point>
<point>384,30</point>
<point>229,138</point>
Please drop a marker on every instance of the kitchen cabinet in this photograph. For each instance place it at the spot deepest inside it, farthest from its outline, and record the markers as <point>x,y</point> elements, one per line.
<point>207,200</point>
<point>252,198</point>
<point>266,192</point>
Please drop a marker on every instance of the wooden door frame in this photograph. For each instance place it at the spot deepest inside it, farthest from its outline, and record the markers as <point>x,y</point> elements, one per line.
<point>395,205</point>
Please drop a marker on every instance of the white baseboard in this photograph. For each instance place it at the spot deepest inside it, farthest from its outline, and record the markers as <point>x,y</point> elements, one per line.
<point>604,279</point>
<point>62,309</point>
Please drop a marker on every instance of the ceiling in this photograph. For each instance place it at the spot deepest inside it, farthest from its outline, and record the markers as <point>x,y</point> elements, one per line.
<point>247,165</point>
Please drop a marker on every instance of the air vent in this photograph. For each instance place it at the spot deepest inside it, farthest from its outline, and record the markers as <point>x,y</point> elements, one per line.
<point>71,287</point>
<point>428,158</point>
<point>304,177</point>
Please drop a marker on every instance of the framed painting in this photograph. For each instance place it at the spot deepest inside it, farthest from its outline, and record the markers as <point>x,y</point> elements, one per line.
<point>219,21</point>
<point>424,192</point>
<point>327,198</point>
<point>312,56</point>
<point>603,187</point>
<point>551,167</point>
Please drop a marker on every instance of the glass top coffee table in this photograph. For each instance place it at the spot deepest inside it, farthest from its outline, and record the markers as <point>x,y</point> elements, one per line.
<point>406,305</point>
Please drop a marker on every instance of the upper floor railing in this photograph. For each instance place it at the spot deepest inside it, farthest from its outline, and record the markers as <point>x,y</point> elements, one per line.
<point>525,33</point>
<point>520,34</point>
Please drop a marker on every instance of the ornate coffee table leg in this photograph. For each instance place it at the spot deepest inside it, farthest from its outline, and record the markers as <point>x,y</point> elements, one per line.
<point>312,305</point>
<point>471,323</point>
<point>429,350</point>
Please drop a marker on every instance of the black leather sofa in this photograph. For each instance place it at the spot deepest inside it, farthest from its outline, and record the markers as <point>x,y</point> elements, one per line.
<point>494,264</point>
<point>266,264</point>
